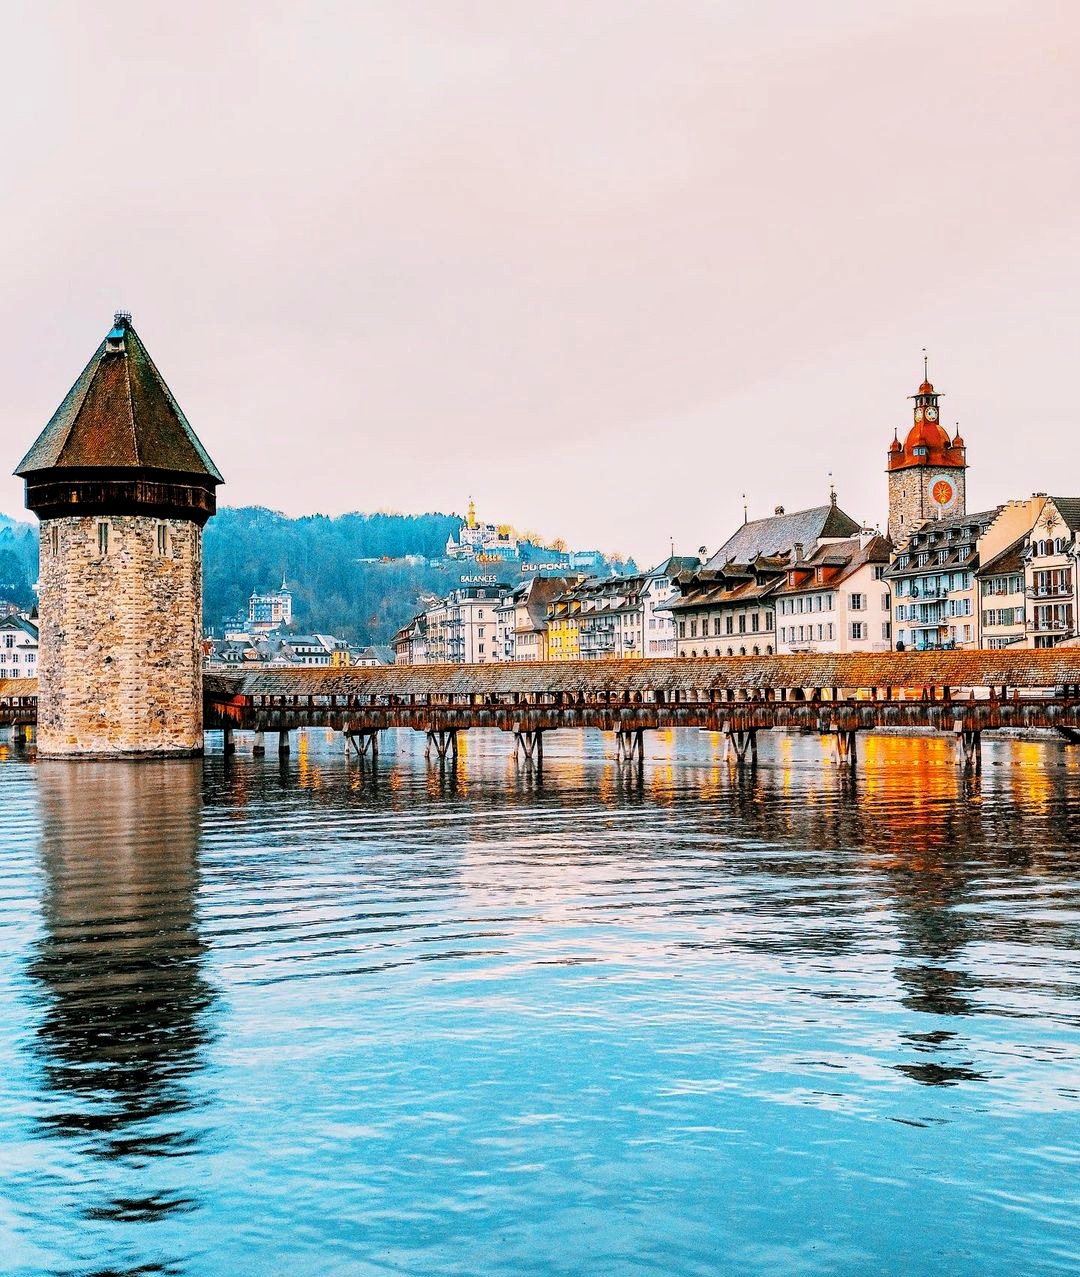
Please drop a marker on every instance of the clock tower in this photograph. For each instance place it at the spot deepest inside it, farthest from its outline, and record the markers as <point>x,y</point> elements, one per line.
<point>927,472</point>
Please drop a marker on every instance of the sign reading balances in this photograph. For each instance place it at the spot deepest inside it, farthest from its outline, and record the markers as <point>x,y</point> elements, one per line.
<point>942,491</point>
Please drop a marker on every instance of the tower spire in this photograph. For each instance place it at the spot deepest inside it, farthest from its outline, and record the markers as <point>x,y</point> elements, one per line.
<point>925,374</point>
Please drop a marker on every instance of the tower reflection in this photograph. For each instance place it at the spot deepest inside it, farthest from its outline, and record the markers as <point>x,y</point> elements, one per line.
<point>123,1000</point>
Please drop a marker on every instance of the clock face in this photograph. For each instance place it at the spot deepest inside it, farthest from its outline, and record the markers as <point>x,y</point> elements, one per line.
<point>931,413</point>
<point>942,491</point>
<point>918,414</point>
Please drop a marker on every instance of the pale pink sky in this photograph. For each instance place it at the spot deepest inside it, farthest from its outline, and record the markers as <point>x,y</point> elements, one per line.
<point>604,265</point>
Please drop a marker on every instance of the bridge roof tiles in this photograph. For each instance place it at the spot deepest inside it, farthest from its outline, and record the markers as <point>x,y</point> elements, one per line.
<point>1026,668</point>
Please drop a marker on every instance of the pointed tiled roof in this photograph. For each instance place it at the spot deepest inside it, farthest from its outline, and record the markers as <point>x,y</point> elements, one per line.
<point>121,416</point>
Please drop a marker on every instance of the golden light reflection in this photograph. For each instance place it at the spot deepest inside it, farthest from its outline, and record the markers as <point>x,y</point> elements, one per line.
<point>309,774</point>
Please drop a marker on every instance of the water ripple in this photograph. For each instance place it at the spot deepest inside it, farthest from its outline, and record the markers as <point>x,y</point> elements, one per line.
<point>263,1016</point>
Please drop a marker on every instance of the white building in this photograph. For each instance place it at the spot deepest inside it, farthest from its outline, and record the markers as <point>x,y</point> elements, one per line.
<point>610,619</point>
<point>836,598</point>
<point>657,593</point>
<point>471,630</point>
<point>1052,573</point>
<point>270,611</point>
<point>18,647</point>
<point>483,541</point>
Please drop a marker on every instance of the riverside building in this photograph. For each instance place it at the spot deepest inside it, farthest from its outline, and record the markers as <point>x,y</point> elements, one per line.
<point>1052,573</point>
<point>727,607</point>
<point>18,647</point>
<point>836,599</point>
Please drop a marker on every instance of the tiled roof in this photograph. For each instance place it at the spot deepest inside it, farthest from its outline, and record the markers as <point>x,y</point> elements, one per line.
<point>675,564</point>
<point>930,527</point>
<point>847,556</point>
<point>751,591</point>
<point>1069,509</point>
<point>782,532</point>
<point>119,415</point>
<point>16,622</point>
<point>1013,669</point>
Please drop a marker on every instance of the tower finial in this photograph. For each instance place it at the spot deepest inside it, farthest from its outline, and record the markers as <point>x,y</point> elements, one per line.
<point>832,490</point>
<point>745,510</point>
<point>925,374</point>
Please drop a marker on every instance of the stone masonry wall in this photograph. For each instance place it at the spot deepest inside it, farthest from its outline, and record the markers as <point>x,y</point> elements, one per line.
<point>906,510</point>
<point>120,657</point>
<point>910,502</point>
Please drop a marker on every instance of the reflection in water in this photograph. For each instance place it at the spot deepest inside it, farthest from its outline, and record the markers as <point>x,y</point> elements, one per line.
<point>581,1018</point>
<point>119,967</point>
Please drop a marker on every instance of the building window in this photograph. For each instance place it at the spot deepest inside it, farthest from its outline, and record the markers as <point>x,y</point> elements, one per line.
<point>858,630</point>
<point>769,620</point>
<point>54,539</point>
<point>856,602</point>
<point>729,626</point>
<point>742,625</point>
<point>755,621</point>
<point>103,538</point>
<point>163,538</point>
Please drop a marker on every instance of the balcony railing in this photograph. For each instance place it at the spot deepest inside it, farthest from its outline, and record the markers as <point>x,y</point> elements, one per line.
<point>1049,592</point>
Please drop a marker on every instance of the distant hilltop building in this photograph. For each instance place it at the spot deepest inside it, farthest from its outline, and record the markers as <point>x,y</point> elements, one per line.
<point>480,543</point>
<point>484,542</point>
<point>272,611</point>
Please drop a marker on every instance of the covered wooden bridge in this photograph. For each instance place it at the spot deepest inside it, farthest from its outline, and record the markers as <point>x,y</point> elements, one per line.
<point>963,693</point>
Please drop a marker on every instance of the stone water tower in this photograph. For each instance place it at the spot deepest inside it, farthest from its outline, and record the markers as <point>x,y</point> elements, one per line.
<point>122,488</point>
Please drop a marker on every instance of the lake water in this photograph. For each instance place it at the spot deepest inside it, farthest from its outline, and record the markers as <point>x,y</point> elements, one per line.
<point>294,1017</point>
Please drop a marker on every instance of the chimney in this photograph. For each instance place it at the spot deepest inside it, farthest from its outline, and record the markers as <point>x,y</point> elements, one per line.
<point>798,551</point>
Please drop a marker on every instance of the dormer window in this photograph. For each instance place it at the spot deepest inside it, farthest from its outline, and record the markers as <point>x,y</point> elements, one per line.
<point>114,342</point>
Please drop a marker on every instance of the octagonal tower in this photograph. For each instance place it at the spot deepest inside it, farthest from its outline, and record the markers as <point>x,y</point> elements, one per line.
<point>123,488</point>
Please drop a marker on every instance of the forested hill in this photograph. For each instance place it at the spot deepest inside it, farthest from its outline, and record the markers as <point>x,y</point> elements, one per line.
<point>334,591</point>
<point>358,576</point>
<point>355,576</point>
<point>18,562</point>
